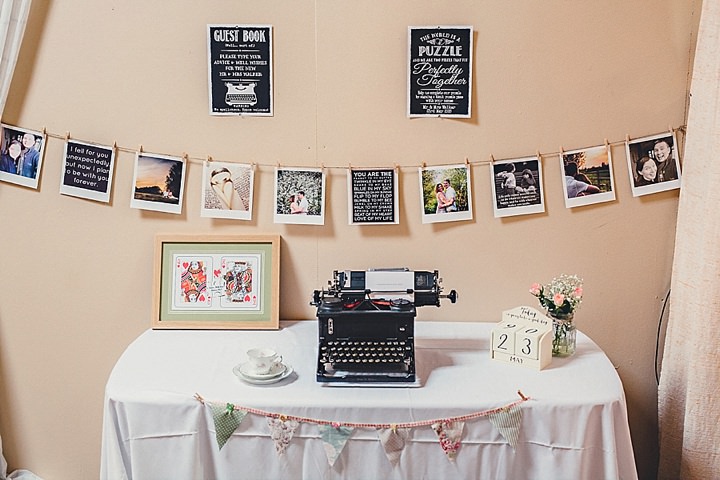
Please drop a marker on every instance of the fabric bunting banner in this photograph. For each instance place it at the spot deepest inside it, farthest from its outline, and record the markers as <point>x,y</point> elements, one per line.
<point>281,432</point>
<point>393,442</point>
<point>227,417</point>
<point>450,436</point>
<point>508,421</point>
<point>334,440</point>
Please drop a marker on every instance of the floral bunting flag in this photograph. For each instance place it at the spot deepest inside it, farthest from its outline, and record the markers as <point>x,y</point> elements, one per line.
<point>334,439</point>
<point>393,441</point>
<point>508,421</point>
<point>450,435</point>
<point>226,419</point>
<point>281,432</point>
<point>335,435</point>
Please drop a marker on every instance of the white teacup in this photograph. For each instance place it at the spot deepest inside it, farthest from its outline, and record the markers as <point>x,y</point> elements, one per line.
<point>263,360</point>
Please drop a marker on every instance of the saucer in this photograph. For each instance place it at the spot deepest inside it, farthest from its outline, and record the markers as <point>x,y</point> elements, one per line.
<point>286,371</point>
<point>246,371</point>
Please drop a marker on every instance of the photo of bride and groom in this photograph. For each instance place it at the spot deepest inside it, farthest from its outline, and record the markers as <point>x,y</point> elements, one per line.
<point>445,193</point>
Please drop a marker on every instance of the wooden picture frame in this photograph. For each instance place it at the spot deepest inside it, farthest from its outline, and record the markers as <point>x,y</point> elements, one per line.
<point>216,282</point>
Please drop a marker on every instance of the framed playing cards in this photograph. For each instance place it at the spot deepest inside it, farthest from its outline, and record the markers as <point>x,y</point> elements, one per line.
<point>216,282</point>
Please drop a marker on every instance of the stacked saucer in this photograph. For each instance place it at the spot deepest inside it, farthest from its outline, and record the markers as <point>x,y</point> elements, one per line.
<point>277,372</point>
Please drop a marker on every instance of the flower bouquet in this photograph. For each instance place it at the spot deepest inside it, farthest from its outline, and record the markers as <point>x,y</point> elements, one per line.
<point>561,297</point>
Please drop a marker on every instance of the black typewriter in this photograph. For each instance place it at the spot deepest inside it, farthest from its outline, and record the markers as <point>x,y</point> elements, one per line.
<point>366,324</point>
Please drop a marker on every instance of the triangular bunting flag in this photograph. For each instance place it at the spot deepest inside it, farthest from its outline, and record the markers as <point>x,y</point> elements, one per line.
<point>282,431</point>
<point>508,421</point>
<point>226,419</point>
<point>393,441</point>
<point>334,440</point>
<point>449,434</point>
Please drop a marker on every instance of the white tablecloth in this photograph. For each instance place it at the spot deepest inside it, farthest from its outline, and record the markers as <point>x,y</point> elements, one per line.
<point>574,427</point>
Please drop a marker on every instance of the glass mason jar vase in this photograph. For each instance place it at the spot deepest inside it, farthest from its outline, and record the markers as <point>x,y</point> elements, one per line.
<point>564,335</point>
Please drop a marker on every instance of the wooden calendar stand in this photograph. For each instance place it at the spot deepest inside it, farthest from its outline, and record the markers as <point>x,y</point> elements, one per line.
<point>523,337</point>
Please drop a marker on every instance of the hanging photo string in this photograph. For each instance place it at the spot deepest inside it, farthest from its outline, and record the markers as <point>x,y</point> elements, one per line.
<point>491,160</point>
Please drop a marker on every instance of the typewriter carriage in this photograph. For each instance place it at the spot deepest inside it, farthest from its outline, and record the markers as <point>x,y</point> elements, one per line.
<point>421,288</point>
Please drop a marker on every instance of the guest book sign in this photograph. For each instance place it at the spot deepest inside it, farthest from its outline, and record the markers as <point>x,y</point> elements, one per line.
<point>523,337</point>
<point>240,72</point>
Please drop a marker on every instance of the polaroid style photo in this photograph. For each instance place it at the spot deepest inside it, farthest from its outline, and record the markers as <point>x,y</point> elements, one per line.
<point>653,164</point>
<point>87,171</point>
<point>158,183</point>
<point>299,196</point>
<point>445,193</point>
<point>587,175</point>
<point>227,190</point>
<point>21,156</point>
<point>517,187</point>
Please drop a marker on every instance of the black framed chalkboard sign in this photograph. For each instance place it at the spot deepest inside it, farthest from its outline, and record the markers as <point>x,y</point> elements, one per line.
<point>440,71</point>
<point>240,77</point>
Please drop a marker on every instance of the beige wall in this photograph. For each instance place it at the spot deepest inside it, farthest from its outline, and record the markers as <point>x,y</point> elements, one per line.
<point>77,274</point>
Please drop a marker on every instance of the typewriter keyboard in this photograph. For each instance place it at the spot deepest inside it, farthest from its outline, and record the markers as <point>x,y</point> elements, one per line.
<point>365,354</point>
<point>240,98</point>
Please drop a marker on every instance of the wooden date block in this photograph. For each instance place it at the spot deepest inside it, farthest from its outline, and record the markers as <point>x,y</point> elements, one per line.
<point>523,337</point>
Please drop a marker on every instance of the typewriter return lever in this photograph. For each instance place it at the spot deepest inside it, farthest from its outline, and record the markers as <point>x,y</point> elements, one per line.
<point>452,296</point>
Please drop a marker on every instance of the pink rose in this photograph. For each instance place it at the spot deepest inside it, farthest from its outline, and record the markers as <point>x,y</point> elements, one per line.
<point>535,289</point>
<point>578,292</point>
<point>558,299</point>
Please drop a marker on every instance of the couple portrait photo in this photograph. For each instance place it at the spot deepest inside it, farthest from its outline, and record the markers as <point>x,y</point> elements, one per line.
<point>21,156</point>
<point>446,193</point>
<point>653,164</point>
<point>299,195</point>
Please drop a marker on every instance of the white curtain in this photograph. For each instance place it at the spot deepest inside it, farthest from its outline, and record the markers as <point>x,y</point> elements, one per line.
<point>688,399</point>
<point>13,18</point>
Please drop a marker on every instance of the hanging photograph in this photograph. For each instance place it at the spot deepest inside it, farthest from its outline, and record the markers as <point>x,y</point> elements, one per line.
<point>445,193</point>
<point>588,176</point>
<point>228,281</point>
<point>227,190</point>
<point>440,71</point>
<point>299,195</point>
<point>653,163</point>
<point>87,171</point>
<point>158,183</point>
<point>372,196</point>
<point>21,157</point>
<point>517,187</point>
<point>240,74</point>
